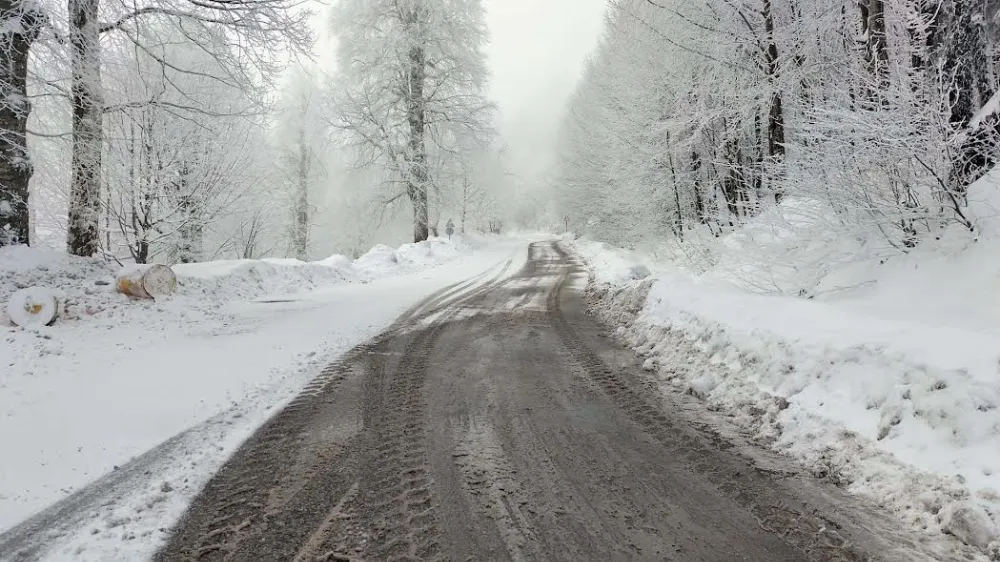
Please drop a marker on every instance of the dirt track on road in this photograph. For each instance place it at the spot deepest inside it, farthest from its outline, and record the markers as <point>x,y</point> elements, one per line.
<point>498,422</point>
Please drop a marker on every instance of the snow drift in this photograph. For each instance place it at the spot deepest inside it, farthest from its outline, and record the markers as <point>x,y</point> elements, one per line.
<point>86,287</point>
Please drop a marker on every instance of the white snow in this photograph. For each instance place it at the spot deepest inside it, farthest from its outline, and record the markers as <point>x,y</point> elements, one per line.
<point>117,376</point>
<point>989,109</point>
<point>33,307</point>
<point>883,376</point>
<point>970,524</point>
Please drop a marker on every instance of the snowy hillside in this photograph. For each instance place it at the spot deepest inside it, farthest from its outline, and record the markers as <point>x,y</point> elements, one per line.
<point>882,375</point>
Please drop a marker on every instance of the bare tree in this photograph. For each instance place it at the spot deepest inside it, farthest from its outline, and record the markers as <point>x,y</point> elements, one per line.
<point>411,70</point>
<point>169,172</point>
<point>249,39</point>
<point>300,138</point>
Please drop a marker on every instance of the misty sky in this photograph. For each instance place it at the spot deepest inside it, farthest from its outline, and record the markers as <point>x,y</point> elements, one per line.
<point>537,51</point>
<point>536,54</point>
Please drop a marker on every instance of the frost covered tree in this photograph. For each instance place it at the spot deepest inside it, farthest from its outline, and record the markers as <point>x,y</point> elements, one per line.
<point>301,141</point>
<point>413,73</point>
<point>250,39</point>
<point>482,181</point>
<point>867,119</point>
<point>178,160</point>
<point>20,25</point>
<point>962,39</point>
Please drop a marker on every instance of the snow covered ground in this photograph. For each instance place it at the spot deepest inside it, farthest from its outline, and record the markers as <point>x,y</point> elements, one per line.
<point>198,372</point>
<point>884,375</point>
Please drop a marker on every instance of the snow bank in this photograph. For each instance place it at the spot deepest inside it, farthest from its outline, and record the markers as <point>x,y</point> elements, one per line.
<point>884,377</point>
<point>379,259</point>
<point>383,259</point>
<point>84,285</point>
<point>247,279</point>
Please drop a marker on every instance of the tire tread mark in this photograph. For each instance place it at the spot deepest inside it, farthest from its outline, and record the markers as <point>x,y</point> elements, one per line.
<point>800,528</point>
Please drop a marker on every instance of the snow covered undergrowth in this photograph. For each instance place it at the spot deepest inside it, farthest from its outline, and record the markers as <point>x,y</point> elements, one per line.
<point>884,376</point>
<point>114,377</point>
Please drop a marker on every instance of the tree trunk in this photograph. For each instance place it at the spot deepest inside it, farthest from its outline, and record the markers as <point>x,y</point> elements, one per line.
<point>83,236</point>
<point>876,48</point>
<point>421,231</point>
<point>731,181</point>
<point>776,112</point>
<point>192,227</point>
<point>679,217</point>
<point>301,226</point>
<point>465,200</point>
<point>142,252</point>
<point>416,110</point>
<point>699,201</point>
<point>15,164</point>
<point>192,231</point>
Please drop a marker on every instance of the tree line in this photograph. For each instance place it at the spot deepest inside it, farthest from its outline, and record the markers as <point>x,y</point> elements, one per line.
<point>173,129</point>
<point>697,116</point>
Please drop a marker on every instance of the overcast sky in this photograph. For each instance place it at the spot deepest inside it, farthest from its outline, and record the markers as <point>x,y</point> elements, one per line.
<point>536,54</point>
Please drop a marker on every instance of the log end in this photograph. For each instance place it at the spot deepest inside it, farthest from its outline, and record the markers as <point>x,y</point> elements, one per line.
<point>33,307</point>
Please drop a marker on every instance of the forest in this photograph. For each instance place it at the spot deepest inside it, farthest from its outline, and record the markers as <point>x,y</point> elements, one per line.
<point>179,131</point>
<point>852,125</point>
<point>190,130</point>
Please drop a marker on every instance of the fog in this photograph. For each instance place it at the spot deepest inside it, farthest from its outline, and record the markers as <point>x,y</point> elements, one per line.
<point>536,54</point>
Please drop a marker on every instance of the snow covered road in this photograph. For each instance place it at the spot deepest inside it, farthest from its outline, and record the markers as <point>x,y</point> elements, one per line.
<point>502,424</point>
<point>106,395</point>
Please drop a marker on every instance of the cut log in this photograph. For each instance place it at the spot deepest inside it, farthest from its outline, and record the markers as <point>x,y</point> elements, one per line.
<point>33,307</point>
<point>147,281</point>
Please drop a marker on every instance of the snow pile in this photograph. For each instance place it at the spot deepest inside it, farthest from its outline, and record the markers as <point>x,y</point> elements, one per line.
<point>247,279</point>
<point>435,249</point>
<point>883,377</point>
<point>86,287</point>
<point>383,259</point>
<point>787,249</point>
<point>83,285</point>
<point>613,266</point>
<point>336,261</point>
<point>379,259</point>
<point>254,278</point>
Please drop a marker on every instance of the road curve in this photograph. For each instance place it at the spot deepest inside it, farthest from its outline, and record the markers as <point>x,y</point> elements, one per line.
<point>497,422</point>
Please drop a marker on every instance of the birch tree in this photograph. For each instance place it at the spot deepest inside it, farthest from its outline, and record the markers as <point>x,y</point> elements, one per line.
<point>410,71</point>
